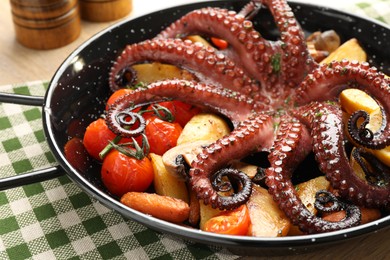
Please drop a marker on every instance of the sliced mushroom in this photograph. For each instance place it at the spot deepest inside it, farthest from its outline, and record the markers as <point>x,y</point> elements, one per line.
<point>321,44</point>
<point>177,159</point>
<point>256,173</point>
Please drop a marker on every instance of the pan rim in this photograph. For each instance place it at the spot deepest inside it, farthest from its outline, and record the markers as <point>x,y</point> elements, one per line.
<point>169,228</point>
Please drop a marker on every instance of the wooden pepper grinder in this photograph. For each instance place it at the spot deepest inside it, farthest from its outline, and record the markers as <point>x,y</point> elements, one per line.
<point>104,10</point>
<point>46,24</point>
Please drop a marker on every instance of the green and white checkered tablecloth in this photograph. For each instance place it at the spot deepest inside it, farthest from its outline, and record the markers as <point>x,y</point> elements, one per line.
<point>56,219</point>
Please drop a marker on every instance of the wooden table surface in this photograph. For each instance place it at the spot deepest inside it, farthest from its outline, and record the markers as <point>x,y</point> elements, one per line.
<point>19,64</point>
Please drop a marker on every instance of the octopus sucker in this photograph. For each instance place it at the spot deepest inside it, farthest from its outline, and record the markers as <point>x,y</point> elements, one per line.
<point>279,101</point>
<point>195,60</point>
<point>292,153</point>
<point>330,150</point>
<point>342,75</point>
<point>250,136</point>
<point>263,58</point>
<point>234,106</point>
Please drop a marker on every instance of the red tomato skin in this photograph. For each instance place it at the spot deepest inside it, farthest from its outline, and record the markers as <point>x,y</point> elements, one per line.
<point>233,222</point>
<point>117,95</point>
<point>121,173</point>
<point>162,135</point>
<point>221,44</point>
<point>77,155</point>
<point>182,112</point>
<point>96,137</point>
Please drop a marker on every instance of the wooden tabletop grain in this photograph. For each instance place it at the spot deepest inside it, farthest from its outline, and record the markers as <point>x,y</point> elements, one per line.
<point>19,64</point>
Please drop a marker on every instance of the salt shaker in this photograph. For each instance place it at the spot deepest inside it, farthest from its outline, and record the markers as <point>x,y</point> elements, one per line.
<point>104,10</point>
<point>46,24</point>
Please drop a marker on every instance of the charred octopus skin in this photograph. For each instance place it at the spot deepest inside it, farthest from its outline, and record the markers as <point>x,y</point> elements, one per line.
<point>249,83</point>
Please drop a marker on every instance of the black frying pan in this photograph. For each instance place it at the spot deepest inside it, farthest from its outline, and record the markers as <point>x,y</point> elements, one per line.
<point>79,89</point>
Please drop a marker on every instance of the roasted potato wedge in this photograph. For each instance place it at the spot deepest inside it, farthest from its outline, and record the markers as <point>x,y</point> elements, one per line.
<point>197,38</point>
<point>352,100</point>
<point>165,183</point>
<point>147,73</point>
<point>350,50</point>
<point>204,126</point>
<point>266,218</point>
<point>306,192</point>
<point>248,169</point>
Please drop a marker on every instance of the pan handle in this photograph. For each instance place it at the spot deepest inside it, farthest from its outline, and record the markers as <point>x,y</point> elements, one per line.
<point>34,176</point>
<point>21,99</point>
<point>31,177</point>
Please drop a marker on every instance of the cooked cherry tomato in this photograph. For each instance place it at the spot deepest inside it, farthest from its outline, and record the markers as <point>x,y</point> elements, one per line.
<point>76,154</point>
<point>121,173</point>
<point>182,112</point>
<point>162,135</point>
<point>97,137</point>
<point>116,95</point>
<point>233,222</point>
<point>219,43</point>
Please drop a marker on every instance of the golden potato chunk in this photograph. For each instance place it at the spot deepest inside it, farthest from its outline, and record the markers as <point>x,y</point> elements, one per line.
<point>352,100</point>
<point>197,38</point>
<point>307,190</point>
<point>151,72</point>
<point>165,183</point>
<point>206,213</point>
<point>267,220</point>
<point>204,126</point>
<point>350,50</point>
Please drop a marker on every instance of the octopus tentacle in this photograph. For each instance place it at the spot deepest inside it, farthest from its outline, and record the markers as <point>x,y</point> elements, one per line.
<point>291,146</point>
<point>126,120</point>
<point>325,122</point>
<point>275,64</point>
<point>329,80</point>
<point>254,134</point>
<point>359,132</point>
<point>207,65</point>
<point>234,106</point>
<point>245,43</point>
<point>262,85</point>
<point>296,61</point>
<point>380,173</point>
<point>250,10</point>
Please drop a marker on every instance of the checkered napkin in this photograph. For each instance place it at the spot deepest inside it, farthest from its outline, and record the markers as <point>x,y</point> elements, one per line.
<point>379,10</point>
<point>56,219</point>
<point>376,9</point>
